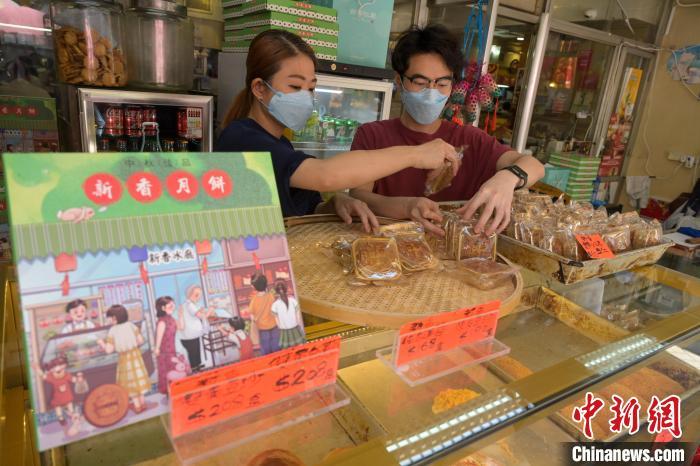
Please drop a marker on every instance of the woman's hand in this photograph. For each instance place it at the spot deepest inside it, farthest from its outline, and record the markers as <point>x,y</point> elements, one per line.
<point>424,211</point>
<point>346,206</point>
<point>496,196</point>
<point>434,154</point>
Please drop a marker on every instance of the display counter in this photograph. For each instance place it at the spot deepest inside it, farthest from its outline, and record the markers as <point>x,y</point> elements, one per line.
<point>515,409</point>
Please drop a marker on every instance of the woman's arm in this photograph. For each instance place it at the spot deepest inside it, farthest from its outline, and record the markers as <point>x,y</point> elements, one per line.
<point>418,209</point>
<point>351,169</point>
<point>346,207</point>
<point>160,331</point>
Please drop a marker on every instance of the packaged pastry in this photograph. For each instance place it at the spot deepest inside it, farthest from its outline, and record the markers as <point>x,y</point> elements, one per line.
<point>600,214</point>
<point>627,218</point>
<point>646,233</point>
<point>400,227</point>
<point>484,274</point>
<point>86,57</point>
<point>443,179</point>
<point>562,242</point>
<point>471,244</point>
<point>376,259</point>
<point>543,201</point>
<point>618,238</point>
<point>342,248</point>
<point>513,227</point>
<point>414,252</point>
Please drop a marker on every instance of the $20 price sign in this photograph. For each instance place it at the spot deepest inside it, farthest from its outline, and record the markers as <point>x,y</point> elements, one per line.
<point>445,331</point>
<point>214,396</point>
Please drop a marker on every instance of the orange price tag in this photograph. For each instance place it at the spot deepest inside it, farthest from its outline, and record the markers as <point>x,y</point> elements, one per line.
<point>445,331</point>
<point>595,246</point>
<point>214,396</point>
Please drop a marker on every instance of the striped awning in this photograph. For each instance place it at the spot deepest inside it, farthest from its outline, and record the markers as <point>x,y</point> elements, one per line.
<point>42,240</point>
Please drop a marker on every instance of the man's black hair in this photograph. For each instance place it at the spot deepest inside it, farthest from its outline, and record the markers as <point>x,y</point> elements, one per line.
<point>434,38</point>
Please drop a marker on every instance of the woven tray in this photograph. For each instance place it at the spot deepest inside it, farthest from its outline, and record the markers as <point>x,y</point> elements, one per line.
<point>324,292</point>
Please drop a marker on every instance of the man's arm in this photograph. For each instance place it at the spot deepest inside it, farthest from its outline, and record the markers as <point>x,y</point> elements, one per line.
<point>532,166</point>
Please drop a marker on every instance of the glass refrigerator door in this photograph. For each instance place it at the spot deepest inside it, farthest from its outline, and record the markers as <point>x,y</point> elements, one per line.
<point>342,105</point>
<point>128,121</point>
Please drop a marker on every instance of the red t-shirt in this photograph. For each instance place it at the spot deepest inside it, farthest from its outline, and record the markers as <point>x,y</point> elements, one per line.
<point>478,164</point>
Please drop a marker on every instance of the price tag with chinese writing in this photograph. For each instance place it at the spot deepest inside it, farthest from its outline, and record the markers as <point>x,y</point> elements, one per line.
<point>595,247</point>
<point>204,399</point>
<point>443,332</point>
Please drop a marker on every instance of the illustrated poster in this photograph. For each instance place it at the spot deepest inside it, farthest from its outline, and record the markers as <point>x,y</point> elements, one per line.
<point>139,269</point>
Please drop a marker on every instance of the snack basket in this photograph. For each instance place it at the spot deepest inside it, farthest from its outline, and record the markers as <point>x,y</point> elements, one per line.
<point>324,291</point>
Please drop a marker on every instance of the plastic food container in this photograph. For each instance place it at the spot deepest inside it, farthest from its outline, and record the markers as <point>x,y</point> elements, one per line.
<point>485,274</point>
<point>89,43</point>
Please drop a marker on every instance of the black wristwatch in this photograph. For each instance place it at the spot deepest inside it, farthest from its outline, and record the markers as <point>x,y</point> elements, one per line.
<point>520,173</point>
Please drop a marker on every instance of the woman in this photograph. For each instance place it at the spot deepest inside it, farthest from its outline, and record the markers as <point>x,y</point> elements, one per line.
<point>165,340</point>
<point>125,338</point>
<point>288,318</point>
<point>280,80</point>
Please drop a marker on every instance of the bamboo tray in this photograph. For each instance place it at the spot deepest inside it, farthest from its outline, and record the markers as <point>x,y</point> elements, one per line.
<point>324,292</point>
<point>569,271</point>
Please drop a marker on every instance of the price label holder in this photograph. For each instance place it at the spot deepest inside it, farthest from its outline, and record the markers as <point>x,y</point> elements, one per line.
<point>215,411</point>
<point>435,346</point>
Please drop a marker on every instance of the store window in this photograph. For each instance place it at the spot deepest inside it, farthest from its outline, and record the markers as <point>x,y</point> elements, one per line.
<point>507,60</point>
<point>571,85</point>
<point>634,19</point>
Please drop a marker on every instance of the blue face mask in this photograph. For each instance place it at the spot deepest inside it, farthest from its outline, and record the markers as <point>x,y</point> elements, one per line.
<point>293,109</point>
<point>424,106</point>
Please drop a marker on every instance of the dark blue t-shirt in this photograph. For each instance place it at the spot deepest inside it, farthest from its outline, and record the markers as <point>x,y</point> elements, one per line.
<point>248,136</point>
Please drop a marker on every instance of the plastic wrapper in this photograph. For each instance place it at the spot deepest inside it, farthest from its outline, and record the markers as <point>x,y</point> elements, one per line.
<point>513,227</point>
<point>562,242</point>
<point>542,201</point>
<point>618,238</point>
<point>399,228</point>
<point>376,259</point>
<point>444,177</point>
<point>600,214</point>
<point>484,274</point>
<point>342,248</point>
<point>532,231</point>
<point>646,234</point>
<point>627,218</point>
<point>414,252</point>
<point>471,244</point>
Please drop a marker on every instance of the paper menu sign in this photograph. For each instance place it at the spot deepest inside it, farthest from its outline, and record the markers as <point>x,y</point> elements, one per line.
<point>442,332</point>
<point>595,246</point>
<point>203,400</point>
<point>103,242</point>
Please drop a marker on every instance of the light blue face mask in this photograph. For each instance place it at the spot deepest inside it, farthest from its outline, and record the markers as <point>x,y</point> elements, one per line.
<point>424,106</point>
<point>292,109</point>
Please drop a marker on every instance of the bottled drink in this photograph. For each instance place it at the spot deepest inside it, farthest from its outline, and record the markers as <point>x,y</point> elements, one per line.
<point>182,123</point>
<point>103,144</point>
<point>122,145</point>
<point>150,116</point>
<point>133,118</point>
<point>181,145</point>
<point>134,144</point>
<point>168,145</point>
<point>114,121</point>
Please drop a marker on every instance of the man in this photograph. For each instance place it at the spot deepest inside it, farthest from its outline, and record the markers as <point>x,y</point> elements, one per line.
<point>427,64</point>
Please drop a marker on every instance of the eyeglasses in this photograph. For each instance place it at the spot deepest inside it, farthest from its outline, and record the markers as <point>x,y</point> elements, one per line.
<point>420,82</point>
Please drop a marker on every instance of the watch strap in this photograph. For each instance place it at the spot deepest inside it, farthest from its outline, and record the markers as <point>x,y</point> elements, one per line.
<point>520,173</point>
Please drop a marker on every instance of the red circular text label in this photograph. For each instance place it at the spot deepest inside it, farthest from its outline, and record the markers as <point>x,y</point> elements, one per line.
<point>144,187</point>
<point>102,189</point>
<point>182,186</point>
<point>217,183</point>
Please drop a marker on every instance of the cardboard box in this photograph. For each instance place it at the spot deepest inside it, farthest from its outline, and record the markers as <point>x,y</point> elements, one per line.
<point>323,53</point>
<point>236,8</point>
<point>250,33</point>
<point>291,22</point>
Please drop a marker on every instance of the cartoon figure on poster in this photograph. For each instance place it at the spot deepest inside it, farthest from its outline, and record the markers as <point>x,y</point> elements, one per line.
<point>77,310</point>
<point>125,338</point>
<point>62,382</point>
<point>286,310</point>
<point>263,319</point>
<point>171,365</point>
<point>193,321</point>
<point>234,331</point>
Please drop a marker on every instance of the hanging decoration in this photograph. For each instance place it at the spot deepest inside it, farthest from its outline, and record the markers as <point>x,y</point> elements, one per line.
<point>139,254</point>
<point>252,244</point>
<point>475,90</point>
<point>64,263</point>
<point>203,248</point>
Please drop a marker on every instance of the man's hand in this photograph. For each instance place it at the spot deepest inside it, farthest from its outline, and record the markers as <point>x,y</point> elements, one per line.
<point>496,196</point>
<point>434,154</point>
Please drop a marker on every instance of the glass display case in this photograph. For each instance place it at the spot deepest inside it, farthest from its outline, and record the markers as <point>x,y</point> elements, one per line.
<point>341,105</point>
<point>517,409</point>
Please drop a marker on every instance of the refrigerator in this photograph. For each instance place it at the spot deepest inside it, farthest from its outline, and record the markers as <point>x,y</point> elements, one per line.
<point>108,120</point>
<point>346,97</point>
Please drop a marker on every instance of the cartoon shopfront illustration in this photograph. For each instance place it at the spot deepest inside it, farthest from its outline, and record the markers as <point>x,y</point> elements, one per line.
<point>95,258</point>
